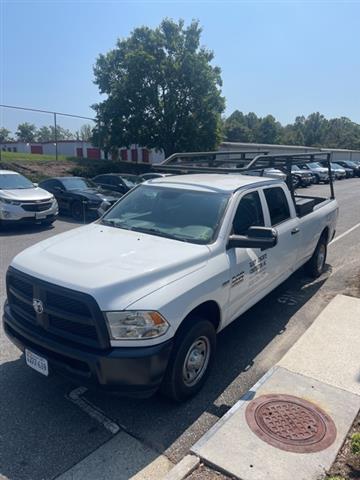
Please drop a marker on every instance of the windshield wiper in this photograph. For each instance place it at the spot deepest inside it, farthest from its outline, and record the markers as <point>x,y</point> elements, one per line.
<point>158,233</point>
<point>114,223</point>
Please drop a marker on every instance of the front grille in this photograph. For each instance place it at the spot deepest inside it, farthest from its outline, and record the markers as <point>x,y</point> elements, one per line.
<point>70,305</point>
<point>72,328</point>
<point>67,314</point>
<point>24,287</point>
<point>36,207</point>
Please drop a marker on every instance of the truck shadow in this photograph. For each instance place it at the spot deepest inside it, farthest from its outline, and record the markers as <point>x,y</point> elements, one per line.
<point>34,411</point>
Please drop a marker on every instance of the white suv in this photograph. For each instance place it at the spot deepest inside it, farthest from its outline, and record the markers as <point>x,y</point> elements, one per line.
<point>22,201</point>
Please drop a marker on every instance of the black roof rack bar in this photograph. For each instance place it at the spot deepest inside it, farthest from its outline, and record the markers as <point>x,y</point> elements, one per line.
<point>194,155</point>
<point>210,162</point>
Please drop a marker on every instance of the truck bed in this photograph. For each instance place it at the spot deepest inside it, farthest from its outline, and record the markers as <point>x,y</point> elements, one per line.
<point>305,204</point>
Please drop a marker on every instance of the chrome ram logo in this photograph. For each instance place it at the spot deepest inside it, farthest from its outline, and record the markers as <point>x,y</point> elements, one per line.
<point>38,306</point>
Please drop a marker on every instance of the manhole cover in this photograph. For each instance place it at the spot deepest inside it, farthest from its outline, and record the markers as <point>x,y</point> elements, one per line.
<point>290,423</point>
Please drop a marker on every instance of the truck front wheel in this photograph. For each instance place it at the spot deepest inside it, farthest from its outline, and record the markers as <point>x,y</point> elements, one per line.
<point>190,361</point>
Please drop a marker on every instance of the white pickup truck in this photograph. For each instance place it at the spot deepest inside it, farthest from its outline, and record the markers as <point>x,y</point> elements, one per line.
<point>132,303</point>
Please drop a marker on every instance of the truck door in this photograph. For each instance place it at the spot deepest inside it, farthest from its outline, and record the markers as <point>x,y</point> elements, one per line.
<point>282,259</point>
<point>247,265</point>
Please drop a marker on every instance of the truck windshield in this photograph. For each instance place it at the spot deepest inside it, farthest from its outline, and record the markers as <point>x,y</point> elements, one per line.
<point>180,214</point>
<point>14,181</point>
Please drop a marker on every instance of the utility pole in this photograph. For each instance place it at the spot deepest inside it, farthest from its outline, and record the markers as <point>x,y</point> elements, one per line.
<point>56,142</point>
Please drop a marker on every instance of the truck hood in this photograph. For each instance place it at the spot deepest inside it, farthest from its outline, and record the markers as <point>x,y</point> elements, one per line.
<point>117,267</point>
<point>26,194</point>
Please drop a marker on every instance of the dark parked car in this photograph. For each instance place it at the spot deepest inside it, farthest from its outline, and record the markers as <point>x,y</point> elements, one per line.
<point>301,177</point>
<point>355,167</point>
<point>79,196</point>
<point>119,182</point>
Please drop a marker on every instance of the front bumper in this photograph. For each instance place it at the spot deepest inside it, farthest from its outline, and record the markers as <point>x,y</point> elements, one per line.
<point>129,371</point>
<point>306,181</point>
<point>15,213</point>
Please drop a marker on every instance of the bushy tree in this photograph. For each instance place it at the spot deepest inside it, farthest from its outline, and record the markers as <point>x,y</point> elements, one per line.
<point>85,133</point>
<point>5,135</point>
<point>47,134</point>
<point>269,130</point>
<point>314,130</point>
<point>26,132</point>
<point>44,134</point>
<point>162,90</point>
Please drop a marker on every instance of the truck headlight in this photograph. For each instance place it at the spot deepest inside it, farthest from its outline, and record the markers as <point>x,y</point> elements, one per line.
<point>133,325</point>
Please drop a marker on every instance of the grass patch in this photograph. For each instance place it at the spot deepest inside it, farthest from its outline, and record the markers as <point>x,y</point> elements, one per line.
<point>39,167</point>
<point>33,157</point>
<point>355,443</point>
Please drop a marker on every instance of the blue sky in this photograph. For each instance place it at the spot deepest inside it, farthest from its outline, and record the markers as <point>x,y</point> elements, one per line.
<point>285,58</point>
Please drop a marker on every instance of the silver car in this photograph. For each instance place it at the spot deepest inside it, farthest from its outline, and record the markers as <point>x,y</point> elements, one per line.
<point>320,173</point>
<point>22,201</point>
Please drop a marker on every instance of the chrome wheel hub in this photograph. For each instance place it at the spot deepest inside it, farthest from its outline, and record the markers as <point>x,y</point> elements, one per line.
<point>196,361</point>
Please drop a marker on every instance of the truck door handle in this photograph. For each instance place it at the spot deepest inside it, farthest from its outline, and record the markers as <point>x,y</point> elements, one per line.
<point>295,230</point>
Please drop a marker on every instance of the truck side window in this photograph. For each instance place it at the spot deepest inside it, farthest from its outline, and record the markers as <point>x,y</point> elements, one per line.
<point>278,205</point>
<point>248,214</point>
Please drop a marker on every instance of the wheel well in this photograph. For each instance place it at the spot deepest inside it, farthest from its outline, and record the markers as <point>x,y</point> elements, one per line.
<point>325,234</point>
<point>208,310</point>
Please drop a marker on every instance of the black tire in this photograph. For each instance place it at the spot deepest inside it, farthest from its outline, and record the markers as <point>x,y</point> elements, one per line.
<point>315,266</point>
<point>316,179</point>
<point>178,384</point>
<point>296,181</point>
<point>77,210</point>
<point>47,223</point>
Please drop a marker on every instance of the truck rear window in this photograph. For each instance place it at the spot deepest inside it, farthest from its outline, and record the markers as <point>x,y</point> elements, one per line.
<point>278,205</point>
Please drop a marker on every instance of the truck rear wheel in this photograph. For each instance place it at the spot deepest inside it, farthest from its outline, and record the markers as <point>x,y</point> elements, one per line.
<point>190,361</point>
<point>315,266</point>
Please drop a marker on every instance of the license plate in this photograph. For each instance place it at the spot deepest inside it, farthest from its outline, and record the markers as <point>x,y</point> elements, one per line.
<point>40,215</point>
<point>36,362</point>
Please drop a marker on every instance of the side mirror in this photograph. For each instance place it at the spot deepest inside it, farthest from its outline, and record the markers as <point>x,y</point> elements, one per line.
<point>257,237</point>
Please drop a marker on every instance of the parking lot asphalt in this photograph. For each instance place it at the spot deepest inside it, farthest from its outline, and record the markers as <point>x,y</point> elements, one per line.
<point>43,433</point>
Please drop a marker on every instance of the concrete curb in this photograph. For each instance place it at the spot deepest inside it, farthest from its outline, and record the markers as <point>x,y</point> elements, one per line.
<point>306,361</point>
<point>186,466</point>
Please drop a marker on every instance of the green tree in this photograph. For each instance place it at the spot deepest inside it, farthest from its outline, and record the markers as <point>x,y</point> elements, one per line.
<point>269,130</point>
<point>85,133</point>
<point>62,133</point>
<point>342,133</point>
<point>314,129</point>
<point>44,134</point>
<point>162,91</point>
<point>47,134</point>
<point>236,128</point>
<point>26,132</point>
<point>4,135</point>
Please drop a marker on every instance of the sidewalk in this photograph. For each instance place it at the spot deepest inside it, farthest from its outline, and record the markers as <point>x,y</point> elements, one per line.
<point>292,423</point>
